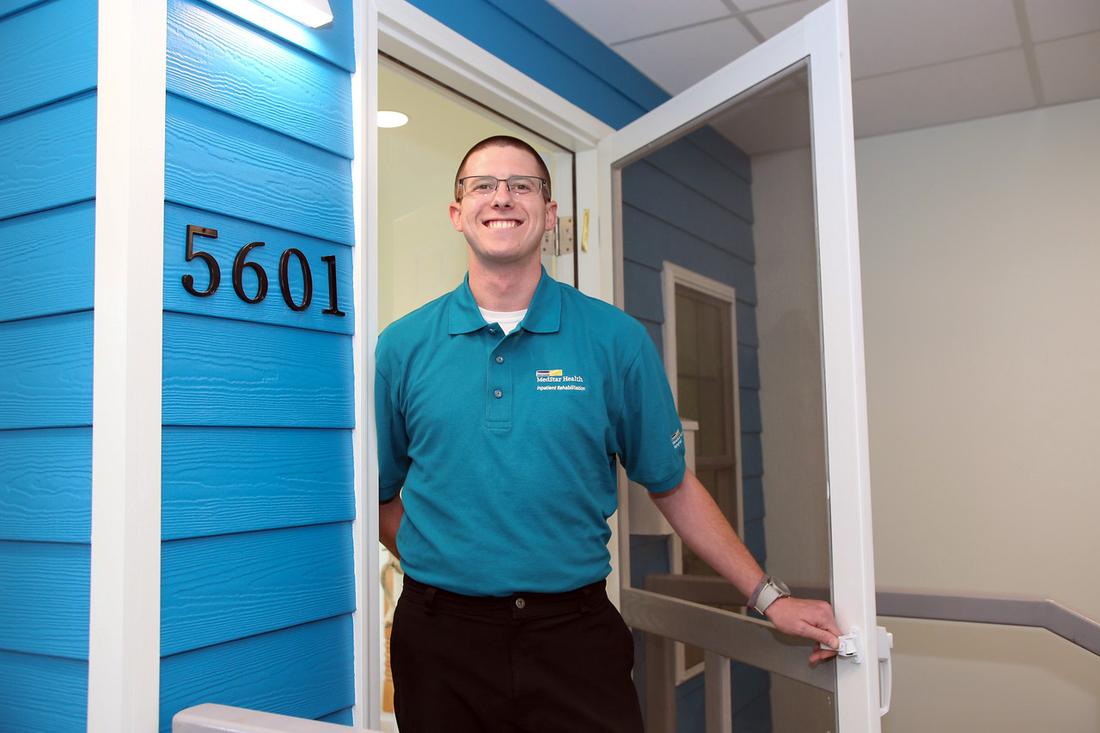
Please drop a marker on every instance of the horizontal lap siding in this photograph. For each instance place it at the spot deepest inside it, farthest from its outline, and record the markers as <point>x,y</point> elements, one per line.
<point>47,235</point>
<point>303,671</point>
<point>257,582</point>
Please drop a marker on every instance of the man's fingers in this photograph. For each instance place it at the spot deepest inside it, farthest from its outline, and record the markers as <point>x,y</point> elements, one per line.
<point>820,655</point>
<point>810,631</point>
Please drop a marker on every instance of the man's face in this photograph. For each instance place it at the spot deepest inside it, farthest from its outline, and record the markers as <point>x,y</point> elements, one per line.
<point>503,228</point>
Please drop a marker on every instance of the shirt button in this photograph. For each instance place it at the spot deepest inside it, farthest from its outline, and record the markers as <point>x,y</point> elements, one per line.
<point>498,393</point>
<point>500,360</point>
<point>493,331</point>
<point>520,603</point>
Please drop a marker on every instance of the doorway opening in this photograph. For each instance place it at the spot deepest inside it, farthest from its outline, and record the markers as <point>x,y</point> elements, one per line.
<point>420,255</point>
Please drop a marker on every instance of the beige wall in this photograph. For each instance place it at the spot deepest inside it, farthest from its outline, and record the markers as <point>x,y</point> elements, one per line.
<point>981,290</point>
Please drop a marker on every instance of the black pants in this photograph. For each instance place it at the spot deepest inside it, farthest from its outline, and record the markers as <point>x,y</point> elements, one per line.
<point>527,663</point>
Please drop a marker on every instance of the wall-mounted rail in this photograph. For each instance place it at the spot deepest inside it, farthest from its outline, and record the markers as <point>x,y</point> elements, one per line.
<point>1041,613</point>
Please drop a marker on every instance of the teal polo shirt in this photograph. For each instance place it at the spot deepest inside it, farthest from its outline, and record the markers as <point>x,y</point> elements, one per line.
<point>504,447</point>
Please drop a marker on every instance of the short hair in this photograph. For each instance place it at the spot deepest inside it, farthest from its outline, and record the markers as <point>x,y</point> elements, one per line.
<point>504,141</point>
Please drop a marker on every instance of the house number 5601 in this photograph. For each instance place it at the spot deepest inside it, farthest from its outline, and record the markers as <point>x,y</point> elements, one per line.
<point>241,263</point>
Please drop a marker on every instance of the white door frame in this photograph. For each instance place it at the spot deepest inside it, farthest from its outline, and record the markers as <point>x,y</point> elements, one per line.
<point>821,37</point>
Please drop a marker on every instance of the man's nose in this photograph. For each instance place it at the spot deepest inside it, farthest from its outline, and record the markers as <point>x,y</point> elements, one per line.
<point>502,196</point>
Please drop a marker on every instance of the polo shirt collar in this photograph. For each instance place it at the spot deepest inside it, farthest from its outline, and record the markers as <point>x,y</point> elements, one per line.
<point>543,313</point>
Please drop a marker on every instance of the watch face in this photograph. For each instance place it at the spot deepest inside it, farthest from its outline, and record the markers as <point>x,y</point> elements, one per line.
<point>781,586</point>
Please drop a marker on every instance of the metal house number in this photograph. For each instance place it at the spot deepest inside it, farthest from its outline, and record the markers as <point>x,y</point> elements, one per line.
<point>241,263</point>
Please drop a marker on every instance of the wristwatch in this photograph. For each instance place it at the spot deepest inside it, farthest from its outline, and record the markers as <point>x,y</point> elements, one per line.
<point>767,592</point>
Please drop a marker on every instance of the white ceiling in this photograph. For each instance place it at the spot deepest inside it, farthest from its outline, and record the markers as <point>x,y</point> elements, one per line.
<point>915,63</point>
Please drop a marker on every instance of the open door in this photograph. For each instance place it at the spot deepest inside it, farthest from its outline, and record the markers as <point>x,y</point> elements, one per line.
<point>789,249</point>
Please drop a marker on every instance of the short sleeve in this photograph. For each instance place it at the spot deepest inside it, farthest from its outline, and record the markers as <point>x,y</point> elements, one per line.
<point>393,440</point>
<point>649,432</point>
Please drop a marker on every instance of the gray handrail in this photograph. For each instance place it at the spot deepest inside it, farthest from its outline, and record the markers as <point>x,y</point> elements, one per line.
<point>1042,613</point>
<point>211,718</point>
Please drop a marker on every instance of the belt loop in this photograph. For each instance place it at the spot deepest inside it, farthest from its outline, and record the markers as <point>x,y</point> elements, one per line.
<point>429,601</point>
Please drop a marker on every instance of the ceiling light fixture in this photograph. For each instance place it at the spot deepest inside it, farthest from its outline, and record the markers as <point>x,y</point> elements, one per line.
<point>388,118</point>
<point>311,13</point>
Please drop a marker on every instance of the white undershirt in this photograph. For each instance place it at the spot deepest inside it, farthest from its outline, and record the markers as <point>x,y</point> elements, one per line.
<point>508,320</point>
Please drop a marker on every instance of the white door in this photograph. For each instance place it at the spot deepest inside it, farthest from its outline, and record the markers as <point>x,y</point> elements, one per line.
<point>804,301</point>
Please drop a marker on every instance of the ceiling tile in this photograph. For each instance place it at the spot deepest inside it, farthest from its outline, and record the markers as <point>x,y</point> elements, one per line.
<point>747,5</point>
<point>1069,69</point>
<point>613,22</point>
<point>980,87</point>
<point>1050,19</point>
<point>890,35</point>
<point>678,59</point>
<point>772,20</point>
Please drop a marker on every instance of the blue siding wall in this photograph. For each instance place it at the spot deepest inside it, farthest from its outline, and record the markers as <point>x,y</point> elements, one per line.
<point>710,233</point>
<point>256,572</point>
<point>47,230</point>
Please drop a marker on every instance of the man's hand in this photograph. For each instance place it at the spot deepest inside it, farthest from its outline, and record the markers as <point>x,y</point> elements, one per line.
<point>809,619</point>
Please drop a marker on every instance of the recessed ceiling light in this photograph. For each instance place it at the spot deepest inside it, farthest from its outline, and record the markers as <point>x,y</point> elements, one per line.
<point>388,118</point>
<point>312,13</point>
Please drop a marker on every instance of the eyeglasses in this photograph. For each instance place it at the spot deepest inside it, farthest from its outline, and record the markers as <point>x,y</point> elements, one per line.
<point>518,185</point>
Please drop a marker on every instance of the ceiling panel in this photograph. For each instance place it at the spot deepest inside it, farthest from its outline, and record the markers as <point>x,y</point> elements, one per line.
<point>612,22</point>
<point>678,59</point>
<point>1051,19</point>
<point>892,35</point>
<point>747,5</point>
<point>1069,69</point>
<point>961,90</point>
<point>774,19</point>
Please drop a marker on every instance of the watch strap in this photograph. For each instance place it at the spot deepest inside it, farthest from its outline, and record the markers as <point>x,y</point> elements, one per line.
<point>767,592</point>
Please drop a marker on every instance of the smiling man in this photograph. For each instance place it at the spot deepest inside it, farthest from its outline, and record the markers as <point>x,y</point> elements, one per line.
<point>502,409</point>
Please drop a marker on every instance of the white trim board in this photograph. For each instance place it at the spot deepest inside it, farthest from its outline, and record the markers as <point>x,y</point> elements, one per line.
<point>124,613</point>
<point>367,633</point>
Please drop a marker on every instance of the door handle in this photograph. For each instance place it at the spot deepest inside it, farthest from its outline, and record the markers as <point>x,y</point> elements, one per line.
<point>850,646</point>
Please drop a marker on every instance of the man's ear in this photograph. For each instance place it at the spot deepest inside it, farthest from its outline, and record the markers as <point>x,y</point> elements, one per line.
<point>455,210</point>
<point>551,215</point>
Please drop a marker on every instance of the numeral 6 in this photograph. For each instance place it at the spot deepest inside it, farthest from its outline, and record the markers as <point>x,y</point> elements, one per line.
<point>238,274</point>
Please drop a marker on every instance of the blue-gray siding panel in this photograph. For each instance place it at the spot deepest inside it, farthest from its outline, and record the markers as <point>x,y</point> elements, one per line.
<point>47,53</point>
<point>243,71</point>
<point>47,379</point>
<point>46,485</point>
<point>223,372</point>
<point>48,262</point>
<point>303,671</point>
<point>44,608</point>
<point>40,694</point>
<point>217,162</point>
<point>651,242</point>
<point>334,42</point>
<point>222,480</point>
<point>653,191</point>
<point>216,589</point>
<point>258,496</point>
<point>48,157</point>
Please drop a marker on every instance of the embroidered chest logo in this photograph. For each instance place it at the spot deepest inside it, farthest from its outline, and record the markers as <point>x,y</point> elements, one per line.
<point>556,380</point>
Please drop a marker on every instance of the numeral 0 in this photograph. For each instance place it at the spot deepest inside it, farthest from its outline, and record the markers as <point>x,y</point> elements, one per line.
<point>240,263</point>
<point>284,280</point>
